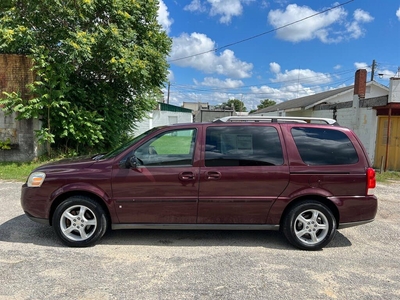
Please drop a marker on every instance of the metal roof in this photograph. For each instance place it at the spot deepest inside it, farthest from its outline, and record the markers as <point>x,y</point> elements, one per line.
<point>303,102</point>
<point>170,107</point>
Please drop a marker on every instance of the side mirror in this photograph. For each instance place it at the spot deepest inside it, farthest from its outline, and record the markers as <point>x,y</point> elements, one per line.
<point>132,162</point>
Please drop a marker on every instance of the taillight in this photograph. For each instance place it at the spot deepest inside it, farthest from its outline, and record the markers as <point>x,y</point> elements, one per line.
<point>371,181</point>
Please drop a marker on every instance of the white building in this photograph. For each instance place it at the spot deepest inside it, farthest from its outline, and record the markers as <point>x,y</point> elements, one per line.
<point>164,114</point>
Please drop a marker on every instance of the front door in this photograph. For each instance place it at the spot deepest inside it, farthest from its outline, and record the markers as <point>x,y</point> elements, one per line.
<point>163,188</point>
<point>244,171</point>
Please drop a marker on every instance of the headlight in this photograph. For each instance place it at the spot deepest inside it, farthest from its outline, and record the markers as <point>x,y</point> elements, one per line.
<point>36,179</point>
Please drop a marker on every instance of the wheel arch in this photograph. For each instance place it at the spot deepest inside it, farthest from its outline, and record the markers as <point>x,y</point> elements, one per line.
<point>62,197</point>
<point>329,204</point>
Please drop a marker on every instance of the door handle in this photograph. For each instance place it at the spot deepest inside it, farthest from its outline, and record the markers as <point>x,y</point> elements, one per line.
<point>213,175</point>
<point>187,176</point>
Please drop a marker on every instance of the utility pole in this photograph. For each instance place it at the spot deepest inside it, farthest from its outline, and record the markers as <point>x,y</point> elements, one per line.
<point>373,69</point>
<point>169,86</point>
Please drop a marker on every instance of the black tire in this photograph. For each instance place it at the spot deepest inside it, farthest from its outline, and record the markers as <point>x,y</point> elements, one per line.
<point>79,221</point>
<point>309,225</point>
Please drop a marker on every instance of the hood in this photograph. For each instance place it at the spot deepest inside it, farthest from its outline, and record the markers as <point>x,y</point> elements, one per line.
<point>67,164</point>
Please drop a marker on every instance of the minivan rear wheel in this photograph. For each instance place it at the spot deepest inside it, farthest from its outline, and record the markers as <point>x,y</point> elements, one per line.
<point>79,221</point>
<point>309,225</point>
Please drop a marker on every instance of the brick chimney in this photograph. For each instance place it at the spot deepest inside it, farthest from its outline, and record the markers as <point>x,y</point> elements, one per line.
<point>360,83</point>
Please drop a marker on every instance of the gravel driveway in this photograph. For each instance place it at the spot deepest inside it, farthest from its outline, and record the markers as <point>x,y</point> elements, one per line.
<point>360,263</point>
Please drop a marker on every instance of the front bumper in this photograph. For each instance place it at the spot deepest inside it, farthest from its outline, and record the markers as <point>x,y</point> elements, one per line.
<point>37,220</point>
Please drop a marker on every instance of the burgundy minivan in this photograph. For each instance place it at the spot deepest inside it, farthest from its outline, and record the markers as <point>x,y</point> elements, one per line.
<point>305,178</point>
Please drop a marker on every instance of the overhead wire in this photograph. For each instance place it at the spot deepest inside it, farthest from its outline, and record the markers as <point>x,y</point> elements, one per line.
<point>195,88</point>
<point>240,90</point>
<point>261,34</point>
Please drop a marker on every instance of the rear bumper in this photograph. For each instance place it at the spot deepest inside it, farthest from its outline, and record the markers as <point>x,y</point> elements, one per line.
<point>355,210</point>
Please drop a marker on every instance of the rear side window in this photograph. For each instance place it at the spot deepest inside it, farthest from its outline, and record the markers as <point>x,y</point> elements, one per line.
<point>318,146</point>
<point>243,146</point>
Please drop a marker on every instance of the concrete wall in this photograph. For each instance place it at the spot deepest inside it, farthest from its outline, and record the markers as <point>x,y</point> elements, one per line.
<point>363,123</point>
<point>15,75</point>
<point>203,116</point>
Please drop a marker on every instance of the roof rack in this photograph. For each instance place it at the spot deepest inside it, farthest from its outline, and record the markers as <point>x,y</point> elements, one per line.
<point>277,119</point>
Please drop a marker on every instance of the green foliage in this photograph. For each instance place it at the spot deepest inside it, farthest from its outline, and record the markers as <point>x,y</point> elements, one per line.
<point>236,104</point>
<point>5,145</point>
<point>100,66</point>
<point>387,176</point>
<point>263,104</point>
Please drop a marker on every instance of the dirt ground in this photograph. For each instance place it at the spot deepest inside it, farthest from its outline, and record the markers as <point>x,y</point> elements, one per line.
<point>360,263</point>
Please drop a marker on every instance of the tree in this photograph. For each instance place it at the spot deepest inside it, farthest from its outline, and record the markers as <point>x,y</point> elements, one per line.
<point>263,104</point>
<point>100,66</point>
<point>236,104</point>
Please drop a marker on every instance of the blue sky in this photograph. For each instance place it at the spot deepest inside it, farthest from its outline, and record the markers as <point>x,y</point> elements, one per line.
<point>280,50</point>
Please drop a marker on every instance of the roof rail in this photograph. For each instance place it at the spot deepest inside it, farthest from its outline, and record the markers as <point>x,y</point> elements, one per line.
<point>277,119</point>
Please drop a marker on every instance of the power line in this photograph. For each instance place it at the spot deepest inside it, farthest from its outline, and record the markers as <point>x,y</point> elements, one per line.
<point>191,88</point>
<point>263,33</point>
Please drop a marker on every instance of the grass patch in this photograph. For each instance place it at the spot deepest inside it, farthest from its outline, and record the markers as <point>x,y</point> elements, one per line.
<point>173,144</point>
<point>386,176</point>
<point>17,171</point>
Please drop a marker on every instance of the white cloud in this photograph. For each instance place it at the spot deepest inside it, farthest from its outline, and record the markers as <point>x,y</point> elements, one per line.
<point>319,26</point>
<point>294,83</point>
<point>195,5</point>
<point>305,76</point>
<point>163,17</point>
<point>398,13</point>
<point>362,65</point>
<point>284,93</point>
<point>337,67</point>
<point>264,4</point>
<point>386,74</point>
<point>177,98</point>
<point>224,63</point>
<point>308,29</point>
<point>226,9</point>
<point>354,28</point>
<point>274,67</point>
<point>362,16</point>
<point>227,83</point>
<point>170,76</point>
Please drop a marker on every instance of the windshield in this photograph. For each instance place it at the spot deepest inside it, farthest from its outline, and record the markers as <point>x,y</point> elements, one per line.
<point>126,145</point>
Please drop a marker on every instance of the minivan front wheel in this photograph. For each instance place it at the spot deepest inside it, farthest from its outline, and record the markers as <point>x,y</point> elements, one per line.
<point>79,221</point>
<point>309,225</point>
